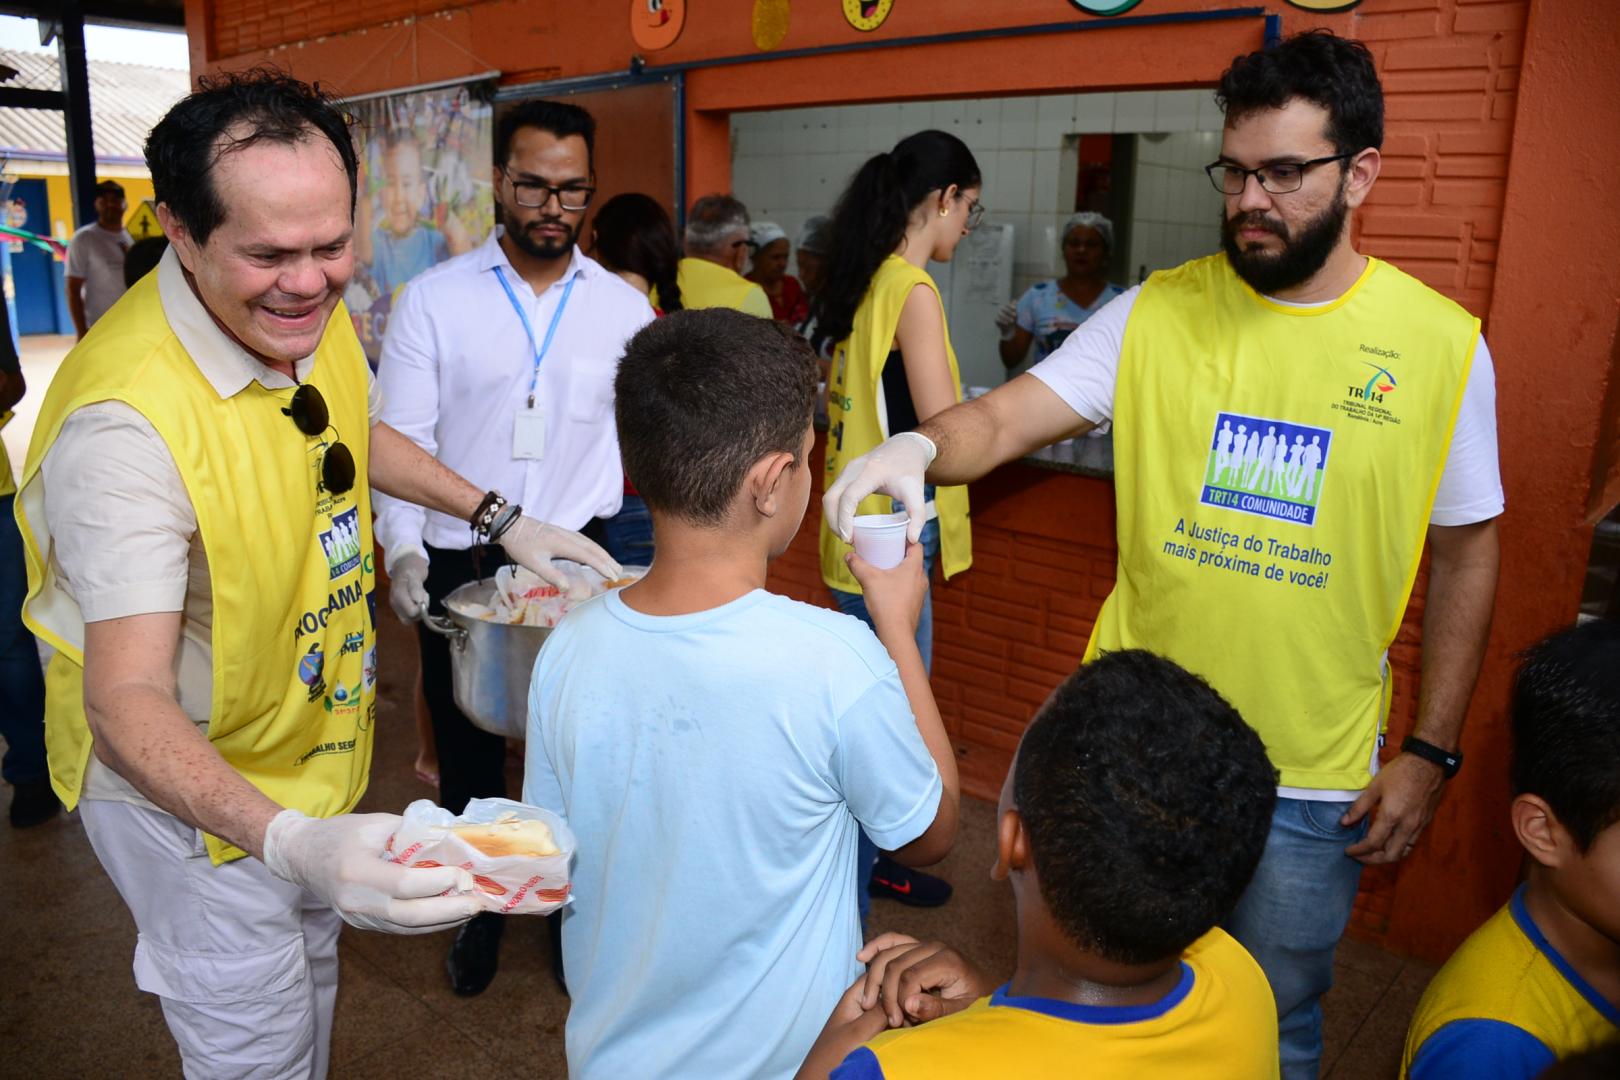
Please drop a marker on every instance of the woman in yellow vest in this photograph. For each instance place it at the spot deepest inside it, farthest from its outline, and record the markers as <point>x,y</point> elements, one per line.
<point>893,368</point>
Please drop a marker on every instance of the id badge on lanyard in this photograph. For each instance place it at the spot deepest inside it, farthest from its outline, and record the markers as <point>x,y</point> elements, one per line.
<point>529,424</point>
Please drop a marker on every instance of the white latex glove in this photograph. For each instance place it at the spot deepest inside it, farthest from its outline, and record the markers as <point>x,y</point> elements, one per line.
<point>407,587</point>
<point>340,860</point>
<point>894,467</point>
<point>532,544</point>
<point>1007,319</point>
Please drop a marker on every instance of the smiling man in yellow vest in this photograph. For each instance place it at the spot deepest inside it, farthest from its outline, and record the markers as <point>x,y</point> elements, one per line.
<point>197,519</point>
<point>1292,420</point>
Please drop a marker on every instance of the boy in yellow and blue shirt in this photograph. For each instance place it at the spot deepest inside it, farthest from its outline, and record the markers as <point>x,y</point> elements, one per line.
<point>1541,979</point>
<point>1135,813</point>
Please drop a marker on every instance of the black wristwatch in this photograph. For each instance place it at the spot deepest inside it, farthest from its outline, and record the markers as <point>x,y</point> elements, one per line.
<point>1448,760</point>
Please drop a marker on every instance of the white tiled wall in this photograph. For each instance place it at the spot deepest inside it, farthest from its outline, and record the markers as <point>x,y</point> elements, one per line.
<point>792,163</point>
<point>1176,213</point>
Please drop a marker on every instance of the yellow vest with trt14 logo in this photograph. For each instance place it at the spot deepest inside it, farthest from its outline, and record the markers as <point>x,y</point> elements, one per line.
<point>1275,467</point>
<point>293,636</point>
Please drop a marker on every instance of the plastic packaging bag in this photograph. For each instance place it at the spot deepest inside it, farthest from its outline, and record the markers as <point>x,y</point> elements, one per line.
<point>508,884</point>
<point>523,598</point>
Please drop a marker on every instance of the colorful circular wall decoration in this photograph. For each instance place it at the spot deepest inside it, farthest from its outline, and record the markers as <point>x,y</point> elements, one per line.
<point>1105,7</point>
<point>655,24</point>
<point>867,15</point>
<point>770,22</point>
<point>1325,7</point>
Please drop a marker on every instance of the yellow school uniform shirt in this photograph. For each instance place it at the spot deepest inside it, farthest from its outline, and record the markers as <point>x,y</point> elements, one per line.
<point>8,485</point>
<point>1219,1023</point>
<point>857,419</point>
<point>1274,468</point>
<point>1506,1005</point>
<point>293,636</point>
<point>709,285</point>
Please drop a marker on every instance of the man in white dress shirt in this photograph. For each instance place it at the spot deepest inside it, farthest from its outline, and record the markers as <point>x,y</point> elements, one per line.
<point>500,362</point>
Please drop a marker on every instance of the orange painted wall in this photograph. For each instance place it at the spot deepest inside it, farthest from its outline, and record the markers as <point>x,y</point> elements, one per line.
<point>1498,189</point>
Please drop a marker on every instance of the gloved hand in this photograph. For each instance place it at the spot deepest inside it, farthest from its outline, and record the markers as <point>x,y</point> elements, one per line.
<point>894,467</point>
<point>1007,319</point>
<point>533,544</point>
<point>407,587</point>
<point>340,860</point>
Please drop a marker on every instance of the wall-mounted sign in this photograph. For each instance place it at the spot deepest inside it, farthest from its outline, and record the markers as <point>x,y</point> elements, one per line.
<point>770,22</point>
<point>655,24</point>
<point>867,15</point>
<point>1105,7</point>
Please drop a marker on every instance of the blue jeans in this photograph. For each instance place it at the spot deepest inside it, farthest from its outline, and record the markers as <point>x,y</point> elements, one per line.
<point>629,533</point>
<point>22,686</point>
<point>1292,915</point>
<point>866,852</point>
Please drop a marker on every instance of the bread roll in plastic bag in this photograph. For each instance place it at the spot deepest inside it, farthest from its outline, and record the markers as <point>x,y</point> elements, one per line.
<point>533,881</point>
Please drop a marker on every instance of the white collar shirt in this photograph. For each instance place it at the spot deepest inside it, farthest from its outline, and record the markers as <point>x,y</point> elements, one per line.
<point>455,371</point>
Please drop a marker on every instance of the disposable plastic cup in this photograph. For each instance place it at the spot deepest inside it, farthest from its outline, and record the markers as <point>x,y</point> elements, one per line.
<point>880,539</point>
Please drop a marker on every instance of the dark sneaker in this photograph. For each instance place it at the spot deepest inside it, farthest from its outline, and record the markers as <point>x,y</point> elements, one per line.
<point>33,803</point>
<point>475,955</point>
<point>554,926</point>
<point>891,881</point>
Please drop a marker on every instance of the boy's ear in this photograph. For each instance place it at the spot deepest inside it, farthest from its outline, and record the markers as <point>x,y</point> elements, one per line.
<point>1539,830</point>
<point>765,480</point>
<point>1012,845</point>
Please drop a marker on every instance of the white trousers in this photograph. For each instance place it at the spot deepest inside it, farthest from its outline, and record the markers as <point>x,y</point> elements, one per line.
<point>245,964</point>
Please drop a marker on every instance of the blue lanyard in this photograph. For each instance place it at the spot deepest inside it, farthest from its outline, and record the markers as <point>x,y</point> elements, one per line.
<point>551,331</point>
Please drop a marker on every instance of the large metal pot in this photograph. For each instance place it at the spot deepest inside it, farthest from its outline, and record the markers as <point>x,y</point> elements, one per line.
<point>491,661</point>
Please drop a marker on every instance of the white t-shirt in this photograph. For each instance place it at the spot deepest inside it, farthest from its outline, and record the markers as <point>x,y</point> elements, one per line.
<point>1084,368</point>
<point>717,769</point>
<point>97,255</point>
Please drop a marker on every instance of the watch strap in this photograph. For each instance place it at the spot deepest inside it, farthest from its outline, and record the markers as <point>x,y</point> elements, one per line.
<point>1448,760</point>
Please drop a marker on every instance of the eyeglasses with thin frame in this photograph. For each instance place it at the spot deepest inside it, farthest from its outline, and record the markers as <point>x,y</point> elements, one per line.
<point>976,212</point>
<point>1278,178</point>
<point>309,413</point>
<point>533,195</point>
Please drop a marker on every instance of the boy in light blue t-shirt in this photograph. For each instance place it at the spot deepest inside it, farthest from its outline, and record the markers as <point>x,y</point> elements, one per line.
<point>717,748</point>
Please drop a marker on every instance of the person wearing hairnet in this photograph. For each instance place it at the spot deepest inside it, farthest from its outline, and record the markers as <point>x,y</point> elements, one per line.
<point>768,269</point>
<point>1049,310</point>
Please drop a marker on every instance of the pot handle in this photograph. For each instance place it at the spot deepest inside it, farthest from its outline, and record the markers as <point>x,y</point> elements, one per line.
<point>441,625</point>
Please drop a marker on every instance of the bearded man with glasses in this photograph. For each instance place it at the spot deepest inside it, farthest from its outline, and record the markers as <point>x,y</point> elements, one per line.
<point>1358,406</point>
<point>500,363</point>
<point>197,518</point>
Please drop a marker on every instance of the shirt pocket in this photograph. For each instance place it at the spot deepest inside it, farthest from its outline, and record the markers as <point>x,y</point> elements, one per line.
<point>590,396</point>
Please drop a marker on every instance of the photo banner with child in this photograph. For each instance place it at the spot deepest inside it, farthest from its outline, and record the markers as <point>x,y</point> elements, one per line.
<point>424,193</point>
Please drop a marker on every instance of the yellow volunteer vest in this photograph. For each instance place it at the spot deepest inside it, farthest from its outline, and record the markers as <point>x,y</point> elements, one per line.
<point>857,420</point>
<point>1221,1022</point>
<point>1508,972</point>
<point>294,638</point>
<point>1274,470</point>
<point>709,285</point>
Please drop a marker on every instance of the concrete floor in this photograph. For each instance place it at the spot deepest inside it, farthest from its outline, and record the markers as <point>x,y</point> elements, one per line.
<point>69,1007</point>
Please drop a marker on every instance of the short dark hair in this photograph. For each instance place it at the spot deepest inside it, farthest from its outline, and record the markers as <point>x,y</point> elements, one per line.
<point>1316,66</point>
<point>271,105</point>
<point>558,117</point>
<point>142,258</point>
<point>110,187</point>
<point>1147,801</point>
<point>703,395</point>
<point>1566,727</point>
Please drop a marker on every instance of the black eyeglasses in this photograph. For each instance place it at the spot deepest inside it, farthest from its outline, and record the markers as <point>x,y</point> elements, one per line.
<point>533,195</point>
<point>975,214</point>
<point>309,413</point>
<point>1278,179</point>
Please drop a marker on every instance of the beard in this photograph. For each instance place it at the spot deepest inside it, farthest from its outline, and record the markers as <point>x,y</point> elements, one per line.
<point>548,248</point>
<point>1302,255</point>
